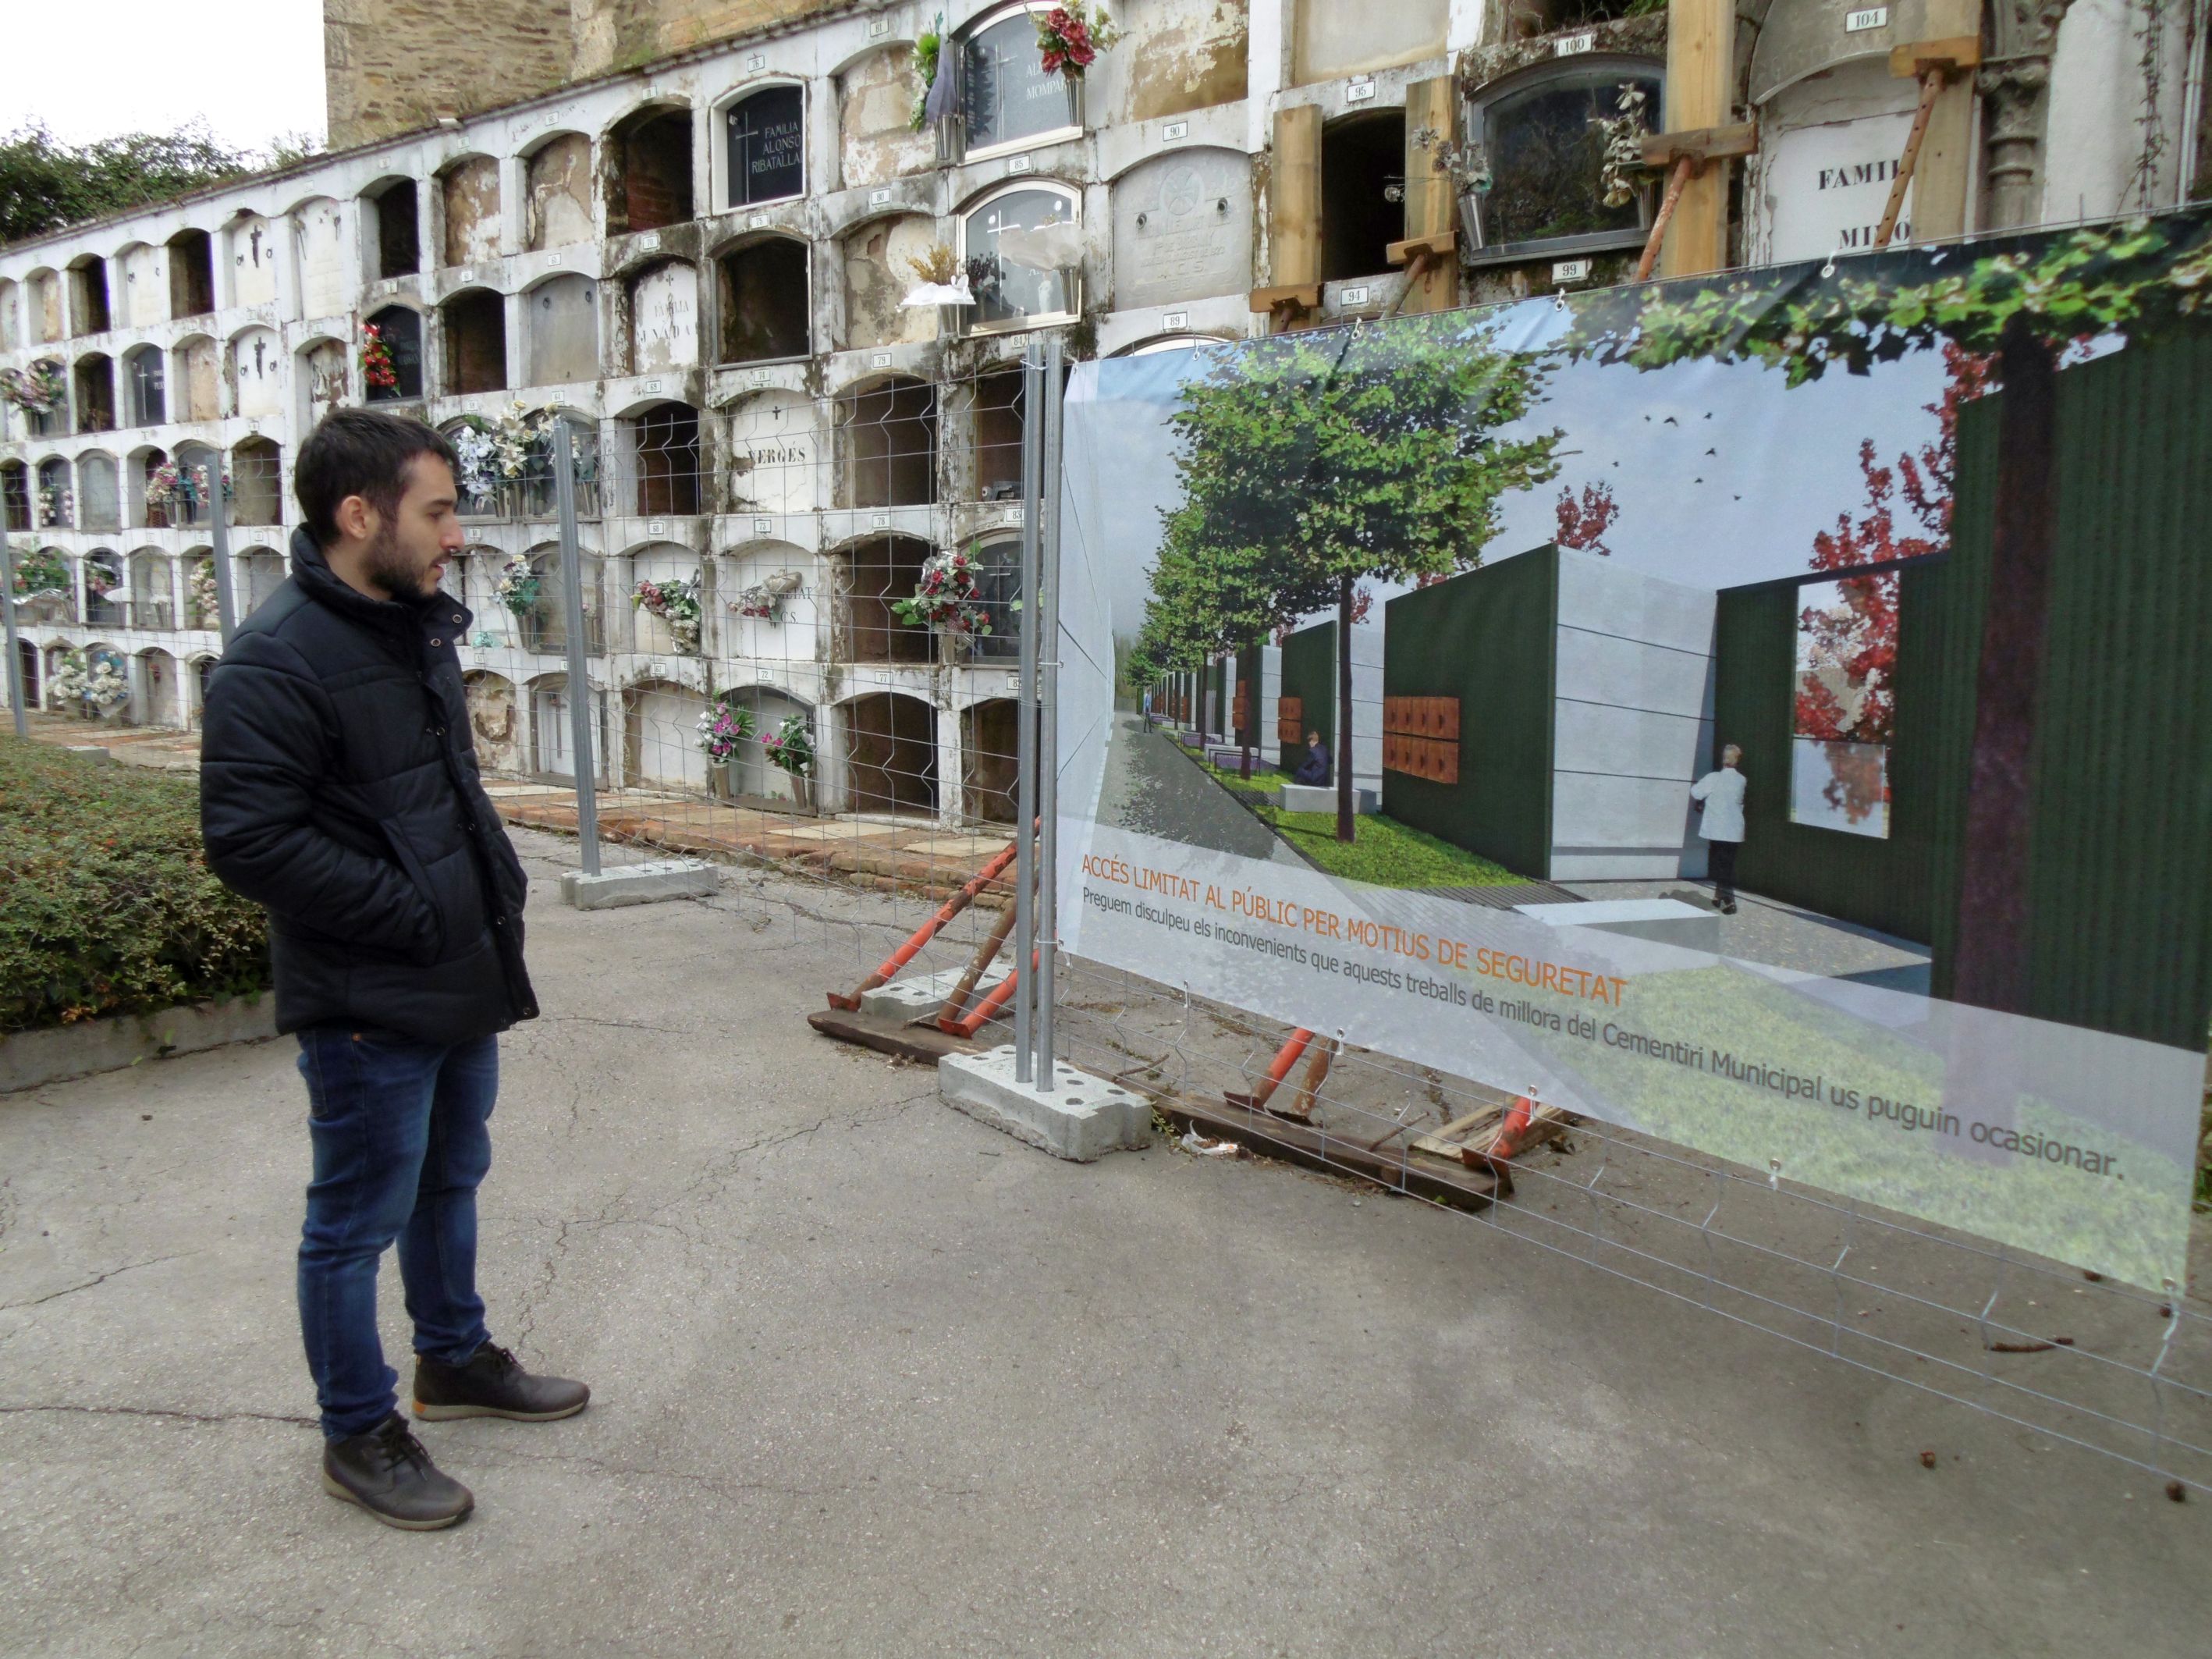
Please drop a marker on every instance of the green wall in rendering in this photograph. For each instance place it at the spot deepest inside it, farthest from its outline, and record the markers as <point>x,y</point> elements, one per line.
<point>1309,675</point>
<point>1488,638</point>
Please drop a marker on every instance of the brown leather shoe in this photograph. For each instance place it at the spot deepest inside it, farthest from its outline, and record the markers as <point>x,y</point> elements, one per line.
<point>492,1384</point>
<point>387,1472</point>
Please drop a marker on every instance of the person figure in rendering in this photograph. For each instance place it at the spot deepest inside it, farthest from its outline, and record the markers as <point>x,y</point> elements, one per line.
<point>1719,798</point>
<point>1313,769</point>
<point>339,790</point>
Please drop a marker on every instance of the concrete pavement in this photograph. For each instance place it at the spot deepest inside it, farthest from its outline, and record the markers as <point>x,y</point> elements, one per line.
<point>870,1379</point>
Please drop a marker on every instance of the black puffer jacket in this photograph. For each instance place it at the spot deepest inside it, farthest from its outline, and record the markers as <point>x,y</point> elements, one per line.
<point>338,787</point>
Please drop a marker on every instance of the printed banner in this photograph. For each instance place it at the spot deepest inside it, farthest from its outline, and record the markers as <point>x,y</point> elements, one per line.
<point>1771,713</point>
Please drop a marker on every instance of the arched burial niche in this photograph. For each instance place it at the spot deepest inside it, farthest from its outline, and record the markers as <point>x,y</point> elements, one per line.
<point>159,686</point>
<point>391,234</point>
<point>663,302</point>
<point>258,481</point>
<point>87,288</point>
<point>493,723</point>
<point>318,236</point>
<point>146,381</point>
<point>660,736</point>
<point>468,195</point>
<point>257,372</point>
<point>474,322</point>
<point>665,459</point>
<point>776,454</point>
<point>1012,290</point>
<point>105,594</point>
<point>143,299</point>
<point>751,776</point>
<point>561,326</point>
<point>878,264</point>
<point>876,135</point>
<point>876,573</point>
<point>1362,158</point>
<point>890,754</point>
<point>990,734</point>
<point>192,274</point>
<point>668,601</point>
<point>196,378</point>
<point>152,604</point>
<point>648,170</point>
<point>1008,100</point>
<point>98,492</point>
<point>252,243</point>
<point>890,441</point>
<point>95,385</point>
<point>557,211</point>
<point>765,156</point>
<point>400,329</point>
<point>765,303</point>
<point>544,623</point>
<point>552,729</point>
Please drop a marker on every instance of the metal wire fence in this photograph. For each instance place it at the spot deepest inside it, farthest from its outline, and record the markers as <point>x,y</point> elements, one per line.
<point>806,626</point>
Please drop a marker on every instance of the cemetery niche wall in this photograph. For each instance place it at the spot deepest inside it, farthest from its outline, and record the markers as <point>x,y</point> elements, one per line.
<point>1912,531</point>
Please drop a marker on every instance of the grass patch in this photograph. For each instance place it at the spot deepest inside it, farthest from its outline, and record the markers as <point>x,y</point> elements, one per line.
<point>106,903</point>
<point>1387,853</point>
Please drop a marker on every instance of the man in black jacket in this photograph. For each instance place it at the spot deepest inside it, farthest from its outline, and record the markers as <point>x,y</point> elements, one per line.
<point>339,789</point>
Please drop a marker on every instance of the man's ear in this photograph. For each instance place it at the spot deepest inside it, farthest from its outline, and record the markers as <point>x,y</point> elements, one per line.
<point>356,519</point>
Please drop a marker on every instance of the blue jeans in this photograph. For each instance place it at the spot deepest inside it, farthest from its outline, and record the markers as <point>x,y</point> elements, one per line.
<point>401,1140</point>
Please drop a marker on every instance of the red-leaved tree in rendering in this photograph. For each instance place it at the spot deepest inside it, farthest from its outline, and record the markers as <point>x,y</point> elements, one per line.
<point>1584,520</point>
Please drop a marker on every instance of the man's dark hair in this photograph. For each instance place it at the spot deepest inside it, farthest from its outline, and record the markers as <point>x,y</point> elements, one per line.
<point>360,452</point>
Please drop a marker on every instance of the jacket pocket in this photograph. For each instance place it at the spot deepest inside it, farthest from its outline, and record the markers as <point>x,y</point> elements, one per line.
<point>403,851</point>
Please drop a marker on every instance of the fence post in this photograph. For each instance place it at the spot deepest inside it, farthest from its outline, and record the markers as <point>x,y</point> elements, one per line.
<point>1047,606</point>
<point>226,596</point>
<point>16,692</point>
<point>583,759</point>
<point>1025,787</point>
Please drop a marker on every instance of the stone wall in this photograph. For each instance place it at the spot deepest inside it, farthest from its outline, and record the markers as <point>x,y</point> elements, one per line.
<point>394,65</point>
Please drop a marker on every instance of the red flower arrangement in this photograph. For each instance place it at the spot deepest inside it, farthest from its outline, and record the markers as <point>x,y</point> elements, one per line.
<point>1070,38</point>
<point>376,365</point>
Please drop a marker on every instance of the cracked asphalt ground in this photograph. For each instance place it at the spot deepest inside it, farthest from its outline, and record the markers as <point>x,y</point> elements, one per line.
<point>871,1378</point>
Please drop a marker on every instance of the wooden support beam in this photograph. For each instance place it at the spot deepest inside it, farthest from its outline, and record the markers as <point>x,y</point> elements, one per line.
<point>1701,145</point>
<point>1431,212</point>
<point>1293,214</point>
<point>1685,170</point>
<point>1931,84</point>
<point>1287,306</point>
<point>1913,62</point>
<point>1700,94</point>
<point>1943,181</point>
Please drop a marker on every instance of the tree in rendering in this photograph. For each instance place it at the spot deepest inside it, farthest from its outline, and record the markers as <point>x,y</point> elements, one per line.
<point>1311,461</point>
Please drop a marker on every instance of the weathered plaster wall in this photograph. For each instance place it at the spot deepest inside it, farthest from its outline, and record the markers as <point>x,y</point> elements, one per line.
<point>468,194</point>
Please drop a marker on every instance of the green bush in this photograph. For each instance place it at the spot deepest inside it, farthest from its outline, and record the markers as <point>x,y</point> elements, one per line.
<point>106,905</point>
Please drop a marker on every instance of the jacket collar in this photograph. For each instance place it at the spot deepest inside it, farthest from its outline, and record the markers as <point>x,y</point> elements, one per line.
<point>401,618</point>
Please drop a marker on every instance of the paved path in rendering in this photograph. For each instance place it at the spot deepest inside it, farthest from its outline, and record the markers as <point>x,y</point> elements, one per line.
<point>1152,787</point>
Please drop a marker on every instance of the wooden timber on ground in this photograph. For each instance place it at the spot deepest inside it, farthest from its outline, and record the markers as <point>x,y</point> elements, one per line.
<point>924,1045</point>
<point>1313,1148</point>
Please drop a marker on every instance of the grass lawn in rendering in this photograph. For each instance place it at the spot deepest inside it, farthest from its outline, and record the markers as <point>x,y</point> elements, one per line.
<point>1385,852</point>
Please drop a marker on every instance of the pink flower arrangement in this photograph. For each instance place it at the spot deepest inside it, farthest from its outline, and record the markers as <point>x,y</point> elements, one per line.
<point>1070,39</point>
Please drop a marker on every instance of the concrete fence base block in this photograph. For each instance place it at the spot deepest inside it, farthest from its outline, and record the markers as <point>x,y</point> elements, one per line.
<point>29,1059</point>
<point>1079,1117</point>
<point>915,996</point>
<point>640,884</point>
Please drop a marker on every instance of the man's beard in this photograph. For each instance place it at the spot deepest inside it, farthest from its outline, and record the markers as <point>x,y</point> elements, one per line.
<point>390,569</point>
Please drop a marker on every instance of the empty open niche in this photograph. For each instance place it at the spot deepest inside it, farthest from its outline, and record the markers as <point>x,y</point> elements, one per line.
<point>1362,177</point>
<point>649,171</point>
<point>476,342</point>
<point>764,301</point>
<point>390,228</point>
<point>878,572</point>
<point>890,444</point>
